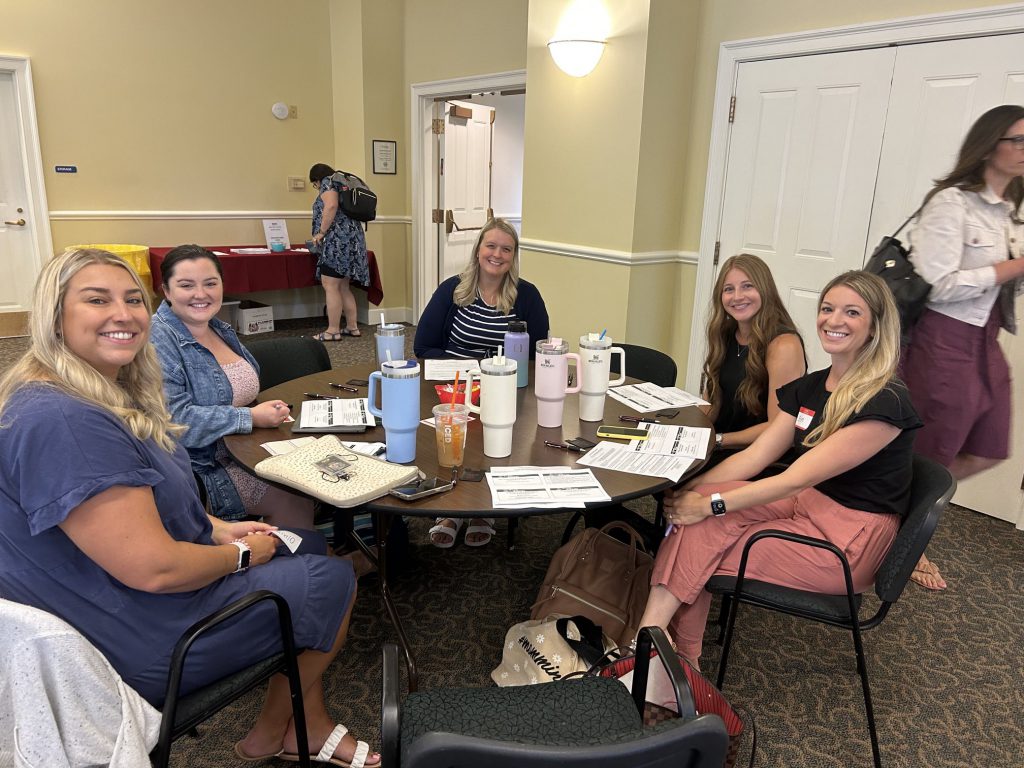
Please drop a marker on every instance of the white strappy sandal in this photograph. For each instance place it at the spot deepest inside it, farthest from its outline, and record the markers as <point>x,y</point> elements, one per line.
<point>447,530</point>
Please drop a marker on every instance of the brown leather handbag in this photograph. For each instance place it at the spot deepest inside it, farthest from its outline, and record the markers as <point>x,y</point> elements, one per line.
<point>600,577</point>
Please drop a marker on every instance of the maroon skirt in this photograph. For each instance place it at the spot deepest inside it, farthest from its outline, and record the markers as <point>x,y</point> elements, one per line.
<point>959,381</point>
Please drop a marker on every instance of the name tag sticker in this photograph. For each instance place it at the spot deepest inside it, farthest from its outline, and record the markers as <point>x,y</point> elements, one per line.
<point>803,419</point>
<point>289,539</point>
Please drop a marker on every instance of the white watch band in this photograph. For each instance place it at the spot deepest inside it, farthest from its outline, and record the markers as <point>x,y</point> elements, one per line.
<point>243,561</point>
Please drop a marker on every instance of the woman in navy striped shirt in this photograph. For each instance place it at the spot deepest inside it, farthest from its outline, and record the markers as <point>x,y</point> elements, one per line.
<point>468,316</point>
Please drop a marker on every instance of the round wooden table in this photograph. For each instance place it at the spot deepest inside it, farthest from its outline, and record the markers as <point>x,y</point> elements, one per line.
<point>467,499</point>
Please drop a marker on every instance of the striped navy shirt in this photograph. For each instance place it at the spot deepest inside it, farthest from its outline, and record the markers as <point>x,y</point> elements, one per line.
<point>477,330</point>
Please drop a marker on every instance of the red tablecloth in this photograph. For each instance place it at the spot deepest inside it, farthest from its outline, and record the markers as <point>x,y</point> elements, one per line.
<point>251,272</point>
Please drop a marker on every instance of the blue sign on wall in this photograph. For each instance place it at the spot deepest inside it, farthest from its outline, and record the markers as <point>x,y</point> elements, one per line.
<point>66,168</point>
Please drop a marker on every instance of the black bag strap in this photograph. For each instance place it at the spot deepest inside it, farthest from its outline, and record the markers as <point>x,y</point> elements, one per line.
<point>909,218</point>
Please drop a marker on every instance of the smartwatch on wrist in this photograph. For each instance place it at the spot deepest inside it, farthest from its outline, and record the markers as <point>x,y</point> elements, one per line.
<point>244,555</point>
<point>717,505</point>
<point>719,441</point>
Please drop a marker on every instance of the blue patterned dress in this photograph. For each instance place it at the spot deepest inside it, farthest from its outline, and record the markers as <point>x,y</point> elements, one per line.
<point>344,246</point>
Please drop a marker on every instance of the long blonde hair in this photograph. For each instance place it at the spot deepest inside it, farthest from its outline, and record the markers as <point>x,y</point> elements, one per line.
<point>137,396</point>
<point>875,366</point>
<point>469,278</point>
<point>770,321</point>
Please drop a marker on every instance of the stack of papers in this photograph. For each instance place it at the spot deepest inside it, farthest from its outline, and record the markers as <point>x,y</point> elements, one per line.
<point>544,488</point>
<point>335,415</point>
<point>650,397</point>
<point>280,447</point>
<point>669,451</point>
<point>444,370</point>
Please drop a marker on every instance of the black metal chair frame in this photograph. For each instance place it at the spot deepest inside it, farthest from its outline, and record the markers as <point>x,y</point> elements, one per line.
<point>312,351</point>
<point>181,714</point>
<point>829,609</point>
<point>648,358</point>
<point>459,749</point>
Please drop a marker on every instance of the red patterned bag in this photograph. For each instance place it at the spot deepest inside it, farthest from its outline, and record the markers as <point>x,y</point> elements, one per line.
<point>661,699</point>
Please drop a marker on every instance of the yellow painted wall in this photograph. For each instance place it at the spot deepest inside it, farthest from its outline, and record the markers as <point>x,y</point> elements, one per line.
<point>652,301</point>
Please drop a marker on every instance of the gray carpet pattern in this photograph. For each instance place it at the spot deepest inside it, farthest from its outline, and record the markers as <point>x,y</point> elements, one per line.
<point>946,668</point>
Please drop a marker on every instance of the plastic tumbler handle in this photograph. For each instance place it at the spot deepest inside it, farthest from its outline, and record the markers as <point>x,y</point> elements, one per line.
<point>469,390</point>
<point>372,389</point>
<point>579,373</point>
<point>622,366</point>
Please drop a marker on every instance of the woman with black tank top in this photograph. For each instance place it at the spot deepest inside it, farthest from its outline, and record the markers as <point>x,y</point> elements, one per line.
<point>753,349</point>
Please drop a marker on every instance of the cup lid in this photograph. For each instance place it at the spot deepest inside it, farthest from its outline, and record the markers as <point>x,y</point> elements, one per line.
<point>492,367</point>
<point>400,369</point>
<point>552,346</point>
<point>390,329</point>
<point>594,341</point>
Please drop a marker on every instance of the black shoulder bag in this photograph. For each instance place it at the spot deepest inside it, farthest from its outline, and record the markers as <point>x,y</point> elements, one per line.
<point>890,262</point>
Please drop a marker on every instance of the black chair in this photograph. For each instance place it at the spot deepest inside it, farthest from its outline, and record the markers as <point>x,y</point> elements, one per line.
<point>181,714</point>
<point>647,364</point>
<point>282,360</point>
<point>590,722</point>
<point>931,491</point>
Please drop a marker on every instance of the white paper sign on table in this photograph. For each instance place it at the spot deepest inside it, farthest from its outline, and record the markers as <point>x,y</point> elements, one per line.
<point>444,370</point>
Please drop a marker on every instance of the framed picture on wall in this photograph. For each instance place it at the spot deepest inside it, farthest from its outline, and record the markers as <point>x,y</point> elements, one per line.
<point>385,156</point>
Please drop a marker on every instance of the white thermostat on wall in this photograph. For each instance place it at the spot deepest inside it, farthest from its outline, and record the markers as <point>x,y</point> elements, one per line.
<point>280,110</point>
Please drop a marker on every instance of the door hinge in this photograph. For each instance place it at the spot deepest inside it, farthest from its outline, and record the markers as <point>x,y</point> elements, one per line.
<point>437,216</point>
<point>718,251</point>
<point>732,109</point>
<point>437,126</point>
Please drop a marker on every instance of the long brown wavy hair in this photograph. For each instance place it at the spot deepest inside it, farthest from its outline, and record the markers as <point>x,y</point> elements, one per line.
<point>980,142</point>
<point>771,320</point>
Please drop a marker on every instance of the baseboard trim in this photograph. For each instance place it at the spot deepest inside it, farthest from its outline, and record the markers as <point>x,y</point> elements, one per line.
<point>391,314</point>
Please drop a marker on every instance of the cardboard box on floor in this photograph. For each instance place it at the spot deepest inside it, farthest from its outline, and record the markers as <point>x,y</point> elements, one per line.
<point>254,317</point>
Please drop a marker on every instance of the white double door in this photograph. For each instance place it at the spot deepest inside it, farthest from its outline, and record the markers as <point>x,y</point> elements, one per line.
<point>830,152</point>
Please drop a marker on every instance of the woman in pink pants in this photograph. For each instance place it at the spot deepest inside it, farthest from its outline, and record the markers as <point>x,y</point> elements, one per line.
<point>852,428</point>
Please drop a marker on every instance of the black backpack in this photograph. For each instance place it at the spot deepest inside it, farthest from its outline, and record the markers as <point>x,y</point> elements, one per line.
<point>357,200</point>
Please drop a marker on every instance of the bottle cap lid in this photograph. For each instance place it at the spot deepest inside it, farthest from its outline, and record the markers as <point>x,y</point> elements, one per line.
<point>517,326</point>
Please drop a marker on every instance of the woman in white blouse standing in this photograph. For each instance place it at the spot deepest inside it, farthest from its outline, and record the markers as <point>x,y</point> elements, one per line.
<point>967,245</point>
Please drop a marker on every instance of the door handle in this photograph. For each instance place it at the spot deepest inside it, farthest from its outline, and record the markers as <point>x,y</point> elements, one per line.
<point>18,223</point>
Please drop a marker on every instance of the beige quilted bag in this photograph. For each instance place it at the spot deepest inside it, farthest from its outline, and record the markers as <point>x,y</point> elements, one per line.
<point>367,478</point>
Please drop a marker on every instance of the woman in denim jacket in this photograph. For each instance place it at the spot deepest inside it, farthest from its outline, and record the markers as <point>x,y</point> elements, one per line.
<point>209,380</point>
<point>967,245</point>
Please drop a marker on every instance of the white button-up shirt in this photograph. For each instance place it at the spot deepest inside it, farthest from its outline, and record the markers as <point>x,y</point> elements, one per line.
<point>956,242</point>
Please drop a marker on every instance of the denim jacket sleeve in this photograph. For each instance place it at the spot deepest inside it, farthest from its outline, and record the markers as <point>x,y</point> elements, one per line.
<point>205,409</point>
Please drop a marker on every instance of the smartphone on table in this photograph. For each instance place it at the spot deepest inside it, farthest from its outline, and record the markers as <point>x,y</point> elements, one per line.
<point>422,488</point>
<point>621,433</point>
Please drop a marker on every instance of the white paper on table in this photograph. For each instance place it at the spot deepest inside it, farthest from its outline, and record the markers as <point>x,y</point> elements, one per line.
<point>336,412</point>
<point>250,251</point>
<point>281,447</point>
<point>367,449</point>
<point>544,487</point>
<point>620,458</point>
<point>444,370</point>
<point>650,397</point>
<point>218,253</point>
<point>673,440</point>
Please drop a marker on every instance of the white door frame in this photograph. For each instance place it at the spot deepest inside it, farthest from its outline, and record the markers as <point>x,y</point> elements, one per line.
<point>424,240</point>
<point>37,211</point>
<point>1004,19</point>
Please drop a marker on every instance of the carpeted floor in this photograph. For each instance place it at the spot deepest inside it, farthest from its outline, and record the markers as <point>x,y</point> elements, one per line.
<point>946,668</point>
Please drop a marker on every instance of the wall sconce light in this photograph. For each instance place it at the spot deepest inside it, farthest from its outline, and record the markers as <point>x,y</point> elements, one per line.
<point>576,58</point>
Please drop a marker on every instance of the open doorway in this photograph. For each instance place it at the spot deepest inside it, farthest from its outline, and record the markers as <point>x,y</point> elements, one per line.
<point>505,94</point>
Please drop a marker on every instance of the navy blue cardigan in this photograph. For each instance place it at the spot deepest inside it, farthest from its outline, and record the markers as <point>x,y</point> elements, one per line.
<point>435,326</point>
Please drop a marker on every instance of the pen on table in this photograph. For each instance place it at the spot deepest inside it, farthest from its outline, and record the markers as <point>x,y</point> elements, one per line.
<point>565,446</point>
<point>316,396</point>
<point>342,386</point>
<point>638,420</point>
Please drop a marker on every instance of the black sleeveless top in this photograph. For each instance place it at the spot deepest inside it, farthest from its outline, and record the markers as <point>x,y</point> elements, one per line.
<point>732,415</point>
